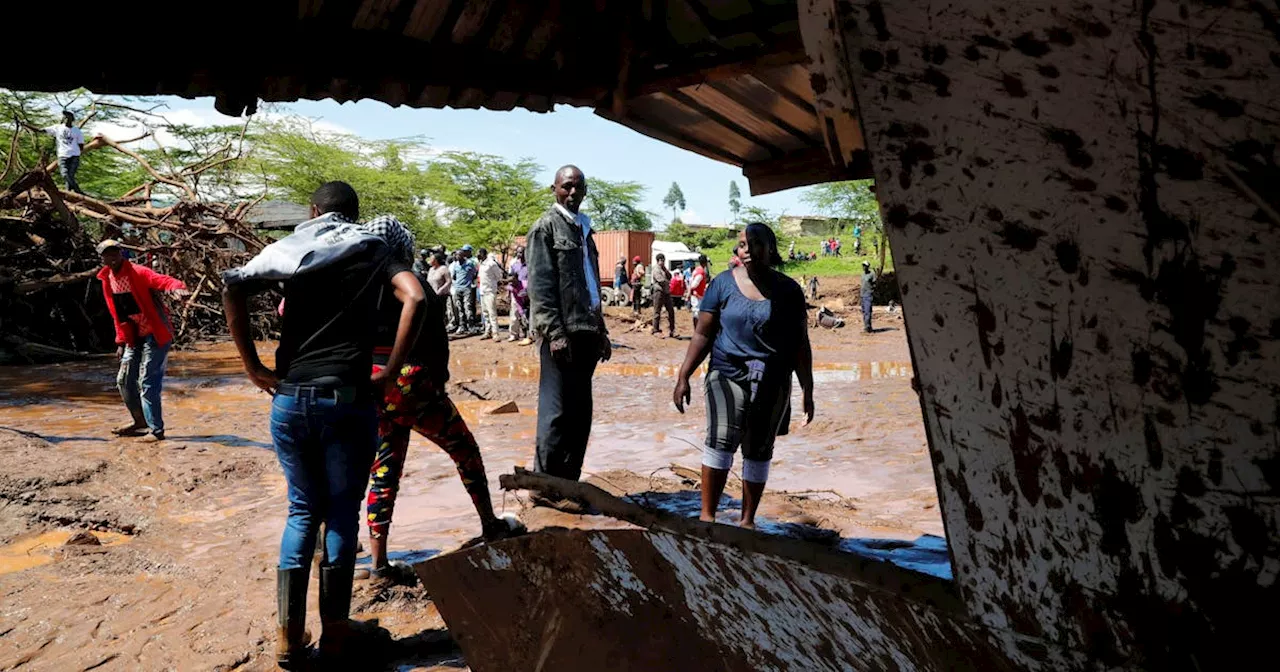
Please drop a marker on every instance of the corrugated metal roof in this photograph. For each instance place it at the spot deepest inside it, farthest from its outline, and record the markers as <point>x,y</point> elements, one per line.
<point>727,79</point>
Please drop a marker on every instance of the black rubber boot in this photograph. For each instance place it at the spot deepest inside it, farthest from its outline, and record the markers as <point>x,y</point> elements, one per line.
<point>291,616</point>
<point>335,607</point>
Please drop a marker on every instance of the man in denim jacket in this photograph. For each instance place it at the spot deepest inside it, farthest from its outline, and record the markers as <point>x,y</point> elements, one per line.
<point>564,306</point>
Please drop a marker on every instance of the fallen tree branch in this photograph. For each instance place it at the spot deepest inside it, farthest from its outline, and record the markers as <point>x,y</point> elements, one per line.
<point>32,286</point>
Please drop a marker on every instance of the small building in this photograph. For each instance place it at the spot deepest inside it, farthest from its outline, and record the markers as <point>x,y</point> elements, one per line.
<point>812,225</point>
<point>277,215</point>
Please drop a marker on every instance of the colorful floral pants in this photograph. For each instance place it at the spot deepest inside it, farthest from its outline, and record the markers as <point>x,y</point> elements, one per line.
<point>416,403</point>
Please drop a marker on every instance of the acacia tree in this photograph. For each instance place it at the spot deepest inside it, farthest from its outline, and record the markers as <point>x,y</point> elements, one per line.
<point>486,200</point>
<point>850,201</point>
<point>675,201</point>
<point>615,206</point>
<point>735,200</point>
<point>106,175</point>
<point>292,159</point>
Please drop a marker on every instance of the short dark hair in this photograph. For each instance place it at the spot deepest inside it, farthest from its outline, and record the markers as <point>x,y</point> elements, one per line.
<point>337,197</point>
<point>66,114</point>
<point>441,258</point>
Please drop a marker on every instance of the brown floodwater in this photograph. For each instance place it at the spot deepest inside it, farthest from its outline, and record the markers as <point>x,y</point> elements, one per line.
<point>866,443</point>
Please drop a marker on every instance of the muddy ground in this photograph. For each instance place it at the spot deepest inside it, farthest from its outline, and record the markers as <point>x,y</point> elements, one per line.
<point>179,571</point>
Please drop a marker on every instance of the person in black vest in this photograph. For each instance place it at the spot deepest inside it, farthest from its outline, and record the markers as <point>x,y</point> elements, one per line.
<point>324,420</point>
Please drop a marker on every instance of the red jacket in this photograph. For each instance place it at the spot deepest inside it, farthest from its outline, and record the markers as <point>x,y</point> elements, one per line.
<point>142,281</point>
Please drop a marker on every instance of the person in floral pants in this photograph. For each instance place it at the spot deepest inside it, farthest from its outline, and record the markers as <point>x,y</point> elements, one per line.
<point>417,401</point>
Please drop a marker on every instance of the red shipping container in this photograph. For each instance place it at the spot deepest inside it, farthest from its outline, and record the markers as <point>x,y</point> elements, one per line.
<point>613,245</point>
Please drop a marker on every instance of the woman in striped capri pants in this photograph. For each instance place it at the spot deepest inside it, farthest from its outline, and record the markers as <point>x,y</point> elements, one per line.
<point>754,325</point>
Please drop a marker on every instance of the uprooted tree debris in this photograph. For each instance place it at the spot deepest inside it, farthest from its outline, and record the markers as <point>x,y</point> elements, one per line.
<point>51,304</point>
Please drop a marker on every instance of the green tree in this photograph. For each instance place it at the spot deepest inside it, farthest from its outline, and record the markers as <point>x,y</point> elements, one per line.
<point>735,200</point>
<point>291,159</point>
<point>755,213</point>
<point>851,201</point>
<point>486,200</point>
<point>675,200</point>
<point>616,206</point>
<point>103,174</point>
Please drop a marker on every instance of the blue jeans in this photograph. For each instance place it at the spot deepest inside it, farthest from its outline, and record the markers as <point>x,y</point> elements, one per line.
<point>140,379</point>
<point>325,448</point>
<point>68,165</point>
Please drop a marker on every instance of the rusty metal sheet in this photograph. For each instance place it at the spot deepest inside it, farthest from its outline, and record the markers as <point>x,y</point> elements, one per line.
<point>631,599</point>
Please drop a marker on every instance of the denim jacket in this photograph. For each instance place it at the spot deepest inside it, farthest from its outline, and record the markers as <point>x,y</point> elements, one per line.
<point>559,301</point>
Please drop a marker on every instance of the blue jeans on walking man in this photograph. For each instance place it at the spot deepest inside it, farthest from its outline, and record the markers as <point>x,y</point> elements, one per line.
<point>140,380</point>
<point>325,447</point>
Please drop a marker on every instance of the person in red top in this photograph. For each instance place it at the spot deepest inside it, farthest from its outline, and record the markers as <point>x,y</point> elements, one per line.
<point>698,282</point>
<point>143,336</point>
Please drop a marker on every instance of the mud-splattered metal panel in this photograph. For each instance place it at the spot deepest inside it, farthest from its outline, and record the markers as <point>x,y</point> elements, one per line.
<point>624,600</point>
<point>1082,203</point>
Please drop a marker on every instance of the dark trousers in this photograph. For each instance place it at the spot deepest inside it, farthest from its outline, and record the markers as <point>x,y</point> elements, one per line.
<point>68,165</point>
<point>661,301</point>
<point>866,312</point>
<point>564,408</point>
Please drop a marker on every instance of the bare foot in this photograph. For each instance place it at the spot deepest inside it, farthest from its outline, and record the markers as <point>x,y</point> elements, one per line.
<point>707,519</point>
<point>747,524</point>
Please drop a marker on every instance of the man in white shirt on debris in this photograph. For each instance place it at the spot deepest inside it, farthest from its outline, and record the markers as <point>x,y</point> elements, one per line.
<point>70,143</point>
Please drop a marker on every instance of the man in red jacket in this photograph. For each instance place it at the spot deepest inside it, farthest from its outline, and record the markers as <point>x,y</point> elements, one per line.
<point>143,337</point>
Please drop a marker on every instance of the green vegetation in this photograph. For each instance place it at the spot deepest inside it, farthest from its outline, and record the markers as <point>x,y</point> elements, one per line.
<point>851,201</point>
<point>615,206</point>
<point>449,197</point>
<point>735,200</point>
<point>844,265</point>
<point>675,200</point>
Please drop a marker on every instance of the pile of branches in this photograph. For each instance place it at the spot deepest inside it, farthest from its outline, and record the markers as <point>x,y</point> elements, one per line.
<point>51,302</point>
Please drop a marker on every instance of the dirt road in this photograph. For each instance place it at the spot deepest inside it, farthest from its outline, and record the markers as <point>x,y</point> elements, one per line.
<point>181,574</point>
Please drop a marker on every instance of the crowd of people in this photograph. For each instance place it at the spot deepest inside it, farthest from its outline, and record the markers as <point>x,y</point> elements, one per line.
<point>363,361</point>
<point>665,286</point>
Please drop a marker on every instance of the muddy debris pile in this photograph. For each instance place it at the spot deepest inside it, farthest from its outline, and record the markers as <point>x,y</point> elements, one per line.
<point>51,301</point>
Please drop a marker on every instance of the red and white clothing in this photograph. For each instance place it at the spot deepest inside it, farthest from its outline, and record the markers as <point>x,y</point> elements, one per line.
<point>132,297</point>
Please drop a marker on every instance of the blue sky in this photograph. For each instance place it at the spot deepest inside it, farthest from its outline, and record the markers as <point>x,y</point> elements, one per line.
<point>568,135</point>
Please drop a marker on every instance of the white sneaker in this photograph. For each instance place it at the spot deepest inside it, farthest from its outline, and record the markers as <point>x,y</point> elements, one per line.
<point>511,339</point>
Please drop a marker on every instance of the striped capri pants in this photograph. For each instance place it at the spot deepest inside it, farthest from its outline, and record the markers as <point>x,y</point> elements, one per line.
<point>749,414</point>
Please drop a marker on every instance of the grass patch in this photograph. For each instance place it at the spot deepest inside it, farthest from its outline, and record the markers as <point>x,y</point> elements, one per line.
<point>845,265</point>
